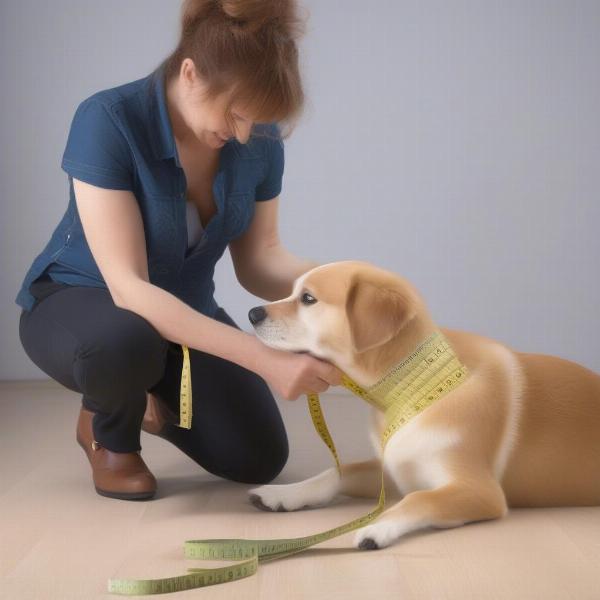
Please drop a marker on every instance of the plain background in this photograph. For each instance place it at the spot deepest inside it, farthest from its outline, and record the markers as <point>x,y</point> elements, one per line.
<point>456,143</point>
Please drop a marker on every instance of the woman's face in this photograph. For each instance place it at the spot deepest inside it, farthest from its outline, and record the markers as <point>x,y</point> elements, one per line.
<point>206,119</point>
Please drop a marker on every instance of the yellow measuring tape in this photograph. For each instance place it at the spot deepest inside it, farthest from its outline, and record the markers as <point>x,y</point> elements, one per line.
<point>185,393</point>
<point>430,372</point>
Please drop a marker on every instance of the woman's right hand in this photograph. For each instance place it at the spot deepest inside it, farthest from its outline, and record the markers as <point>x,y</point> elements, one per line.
<point>293,374</point>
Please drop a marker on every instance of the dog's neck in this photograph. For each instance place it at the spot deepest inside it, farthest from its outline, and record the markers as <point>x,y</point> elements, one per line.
<point>430,371</point>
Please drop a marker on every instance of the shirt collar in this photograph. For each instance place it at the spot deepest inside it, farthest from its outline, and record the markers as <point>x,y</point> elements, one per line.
<point>161,132</point>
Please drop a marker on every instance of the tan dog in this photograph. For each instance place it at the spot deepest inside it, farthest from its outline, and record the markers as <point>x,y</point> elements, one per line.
<point>523,430</point>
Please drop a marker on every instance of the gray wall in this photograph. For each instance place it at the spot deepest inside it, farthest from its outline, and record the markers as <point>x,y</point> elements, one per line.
<point>456,143</point>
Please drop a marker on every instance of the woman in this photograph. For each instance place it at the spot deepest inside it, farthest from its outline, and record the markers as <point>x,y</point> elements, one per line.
<point>165,172</point>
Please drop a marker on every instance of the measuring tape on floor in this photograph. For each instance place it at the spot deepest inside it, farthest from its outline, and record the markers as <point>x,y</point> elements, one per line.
<point>430,372</point>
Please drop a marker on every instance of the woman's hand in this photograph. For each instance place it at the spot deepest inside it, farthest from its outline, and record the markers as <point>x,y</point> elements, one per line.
<point>293,374</point>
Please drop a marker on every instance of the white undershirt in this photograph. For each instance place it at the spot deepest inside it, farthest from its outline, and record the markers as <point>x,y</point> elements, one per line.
<point>194,226</point>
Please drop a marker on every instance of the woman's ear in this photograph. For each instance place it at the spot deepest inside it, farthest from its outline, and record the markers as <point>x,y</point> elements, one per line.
<point>376,313</point>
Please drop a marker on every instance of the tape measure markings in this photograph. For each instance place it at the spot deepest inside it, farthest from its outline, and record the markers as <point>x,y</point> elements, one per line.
<point>185,395</point>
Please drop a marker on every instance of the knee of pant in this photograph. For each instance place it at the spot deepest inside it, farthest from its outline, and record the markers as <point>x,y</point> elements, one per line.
<point>129,356</point>
<point>264,463</point>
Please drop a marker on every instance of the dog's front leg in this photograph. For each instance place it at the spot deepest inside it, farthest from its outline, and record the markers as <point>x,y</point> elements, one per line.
<point>451,505</point>
<point>315,491</point>
<point>359,479</point>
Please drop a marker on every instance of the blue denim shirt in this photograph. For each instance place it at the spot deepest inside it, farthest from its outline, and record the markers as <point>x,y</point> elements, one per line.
<point>121,138</point>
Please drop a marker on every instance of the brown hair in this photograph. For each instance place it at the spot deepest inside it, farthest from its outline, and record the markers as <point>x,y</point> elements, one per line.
<point>247,47</point>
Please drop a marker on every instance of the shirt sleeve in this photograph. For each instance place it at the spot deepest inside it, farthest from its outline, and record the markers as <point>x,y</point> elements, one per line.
<point>271,185</point>
<point>97,151</point>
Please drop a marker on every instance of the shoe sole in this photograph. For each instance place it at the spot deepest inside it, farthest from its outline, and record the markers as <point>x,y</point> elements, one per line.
<point>126,495</point>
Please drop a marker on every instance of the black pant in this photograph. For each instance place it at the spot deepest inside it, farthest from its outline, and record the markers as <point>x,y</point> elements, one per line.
<point>80,338</point>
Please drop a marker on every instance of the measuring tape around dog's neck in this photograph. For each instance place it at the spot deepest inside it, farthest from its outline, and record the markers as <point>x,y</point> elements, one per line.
<point>429,373</point>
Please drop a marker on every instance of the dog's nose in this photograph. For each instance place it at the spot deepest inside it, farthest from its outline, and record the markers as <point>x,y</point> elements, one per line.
<point>257,314</point>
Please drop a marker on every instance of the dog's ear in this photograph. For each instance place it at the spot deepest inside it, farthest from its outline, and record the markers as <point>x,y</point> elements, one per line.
<point>376,313</point>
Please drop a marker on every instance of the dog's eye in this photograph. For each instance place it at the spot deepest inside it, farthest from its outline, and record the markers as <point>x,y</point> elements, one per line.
<point>307,299</point>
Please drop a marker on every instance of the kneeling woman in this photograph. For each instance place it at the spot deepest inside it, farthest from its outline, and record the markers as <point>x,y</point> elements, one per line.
<point>165,172</point>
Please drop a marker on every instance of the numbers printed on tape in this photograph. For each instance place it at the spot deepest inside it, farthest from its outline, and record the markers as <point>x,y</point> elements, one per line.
<point>185,396</point>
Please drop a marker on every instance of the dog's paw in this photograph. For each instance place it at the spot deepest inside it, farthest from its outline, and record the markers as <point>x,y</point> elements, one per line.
<point>378,535</point>
<point>313,492</point>
<point>273,498</point>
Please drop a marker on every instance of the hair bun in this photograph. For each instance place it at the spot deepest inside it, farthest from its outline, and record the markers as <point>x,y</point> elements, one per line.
<point>252,15</point>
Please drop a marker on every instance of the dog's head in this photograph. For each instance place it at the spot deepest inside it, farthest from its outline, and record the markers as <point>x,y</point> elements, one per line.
<point>348,313</point>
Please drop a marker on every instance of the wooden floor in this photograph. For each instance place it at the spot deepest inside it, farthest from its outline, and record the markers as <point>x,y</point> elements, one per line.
<point>60,540</point>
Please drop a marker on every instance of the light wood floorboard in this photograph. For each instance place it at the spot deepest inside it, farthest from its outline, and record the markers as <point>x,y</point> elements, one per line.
<point>61,540</point>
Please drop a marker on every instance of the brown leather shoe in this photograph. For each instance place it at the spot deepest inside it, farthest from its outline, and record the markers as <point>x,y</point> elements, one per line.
<point>157,414</point>
<point>122,475</point>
